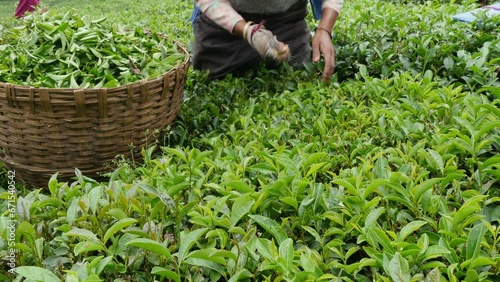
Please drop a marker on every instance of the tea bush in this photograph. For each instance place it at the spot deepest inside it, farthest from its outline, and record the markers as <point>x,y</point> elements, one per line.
<point>388,173</point>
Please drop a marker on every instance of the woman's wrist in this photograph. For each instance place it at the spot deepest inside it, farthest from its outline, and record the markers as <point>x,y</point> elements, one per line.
<point>238,28</point>
<point>245,29</point>
<point>325,30</point>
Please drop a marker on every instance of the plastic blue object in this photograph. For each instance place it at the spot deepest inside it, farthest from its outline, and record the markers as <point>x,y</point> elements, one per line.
<point>490,11</point>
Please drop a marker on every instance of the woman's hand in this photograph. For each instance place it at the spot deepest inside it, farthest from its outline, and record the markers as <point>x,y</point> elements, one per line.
<point>266,44</point>
<point>263,41</point>
<point>322,45</point>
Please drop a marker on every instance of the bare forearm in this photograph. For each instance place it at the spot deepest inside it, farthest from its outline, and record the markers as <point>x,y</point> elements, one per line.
<point>333,4</point>
<point>328,19</point>
<point>330,11</point>
<point>239,28</point>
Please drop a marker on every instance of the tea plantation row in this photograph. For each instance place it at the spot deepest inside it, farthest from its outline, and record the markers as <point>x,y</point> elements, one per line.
<point>388,173</point>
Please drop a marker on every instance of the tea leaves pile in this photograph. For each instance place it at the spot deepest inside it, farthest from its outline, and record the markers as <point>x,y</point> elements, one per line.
<point>70,51</point>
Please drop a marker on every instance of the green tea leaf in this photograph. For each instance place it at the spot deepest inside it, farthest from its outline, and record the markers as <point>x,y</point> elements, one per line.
<point>267,249</point>
<point>372,217</point>
<point>485,129</point>
<point>410,228</point>
<point>207,254</point>
<point>200,157</point>
<point>239,186</point>
<point>474,240</point>
<point>286,252</point>
<point>291,201</point>
<point>224,254</point>
<point>448,64</point>
<point>493,161</point>
<point>23,209</point>
<point>206,264</point>
<point>461,215</point>
<point>374,185</point>
<point>72,212</point>
<point>313,158</point>
<point>241,206</point>
<point>482,262</point>
<point>92,278</point>
<point>380,237</point>
<point>437,159</point>
<point>435,251</point>
<point>102,264</point>
<point>347,185</point>
<point>35,273</point>
<point>433,276</point>
<point>399,269</point>
<point>94,196</point>
<point>117,213</point>
<point>119,225</point>
<point>27,230</point>
<point>187,241</point>
<point>381,168</point>
<point>174,190</point>
<point>178,153</point>
<point>94,262</point>
<point>314,233</point>
<point>83,233</point>
<point>88,246</point>
<point>307,262</point>
<point>39,248</point>
<point>149,189</point>
<point>150,245</point>
<point>421,188</point>
<point>471,276</point>
<point>270,226</point>
<point>242,274</point>
<point>165,273</point>
<point>466,124</point>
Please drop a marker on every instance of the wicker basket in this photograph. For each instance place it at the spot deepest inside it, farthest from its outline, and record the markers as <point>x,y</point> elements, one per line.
<point>48,130</point>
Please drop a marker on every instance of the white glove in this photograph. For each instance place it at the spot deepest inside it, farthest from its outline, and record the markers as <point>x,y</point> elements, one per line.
<point>266,44</point>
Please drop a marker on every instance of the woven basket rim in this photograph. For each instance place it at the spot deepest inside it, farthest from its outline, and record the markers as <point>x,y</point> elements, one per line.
<point>180,64</point>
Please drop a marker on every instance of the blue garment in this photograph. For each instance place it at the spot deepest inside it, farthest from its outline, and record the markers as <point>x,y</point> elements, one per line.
<point>194,16</point>
<point>316,7</point>
<point>315,4</point>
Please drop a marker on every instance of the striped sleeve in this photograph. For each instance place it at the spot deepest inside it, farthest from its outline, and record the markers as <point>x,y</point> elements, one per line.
<point>219,11</point>
<point>333,4</point>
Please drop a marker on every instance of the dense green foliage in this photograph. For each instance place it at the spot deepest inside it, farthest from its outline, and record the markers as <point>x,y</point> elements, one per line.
<point>388,173</point>
<point>68,51</point>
